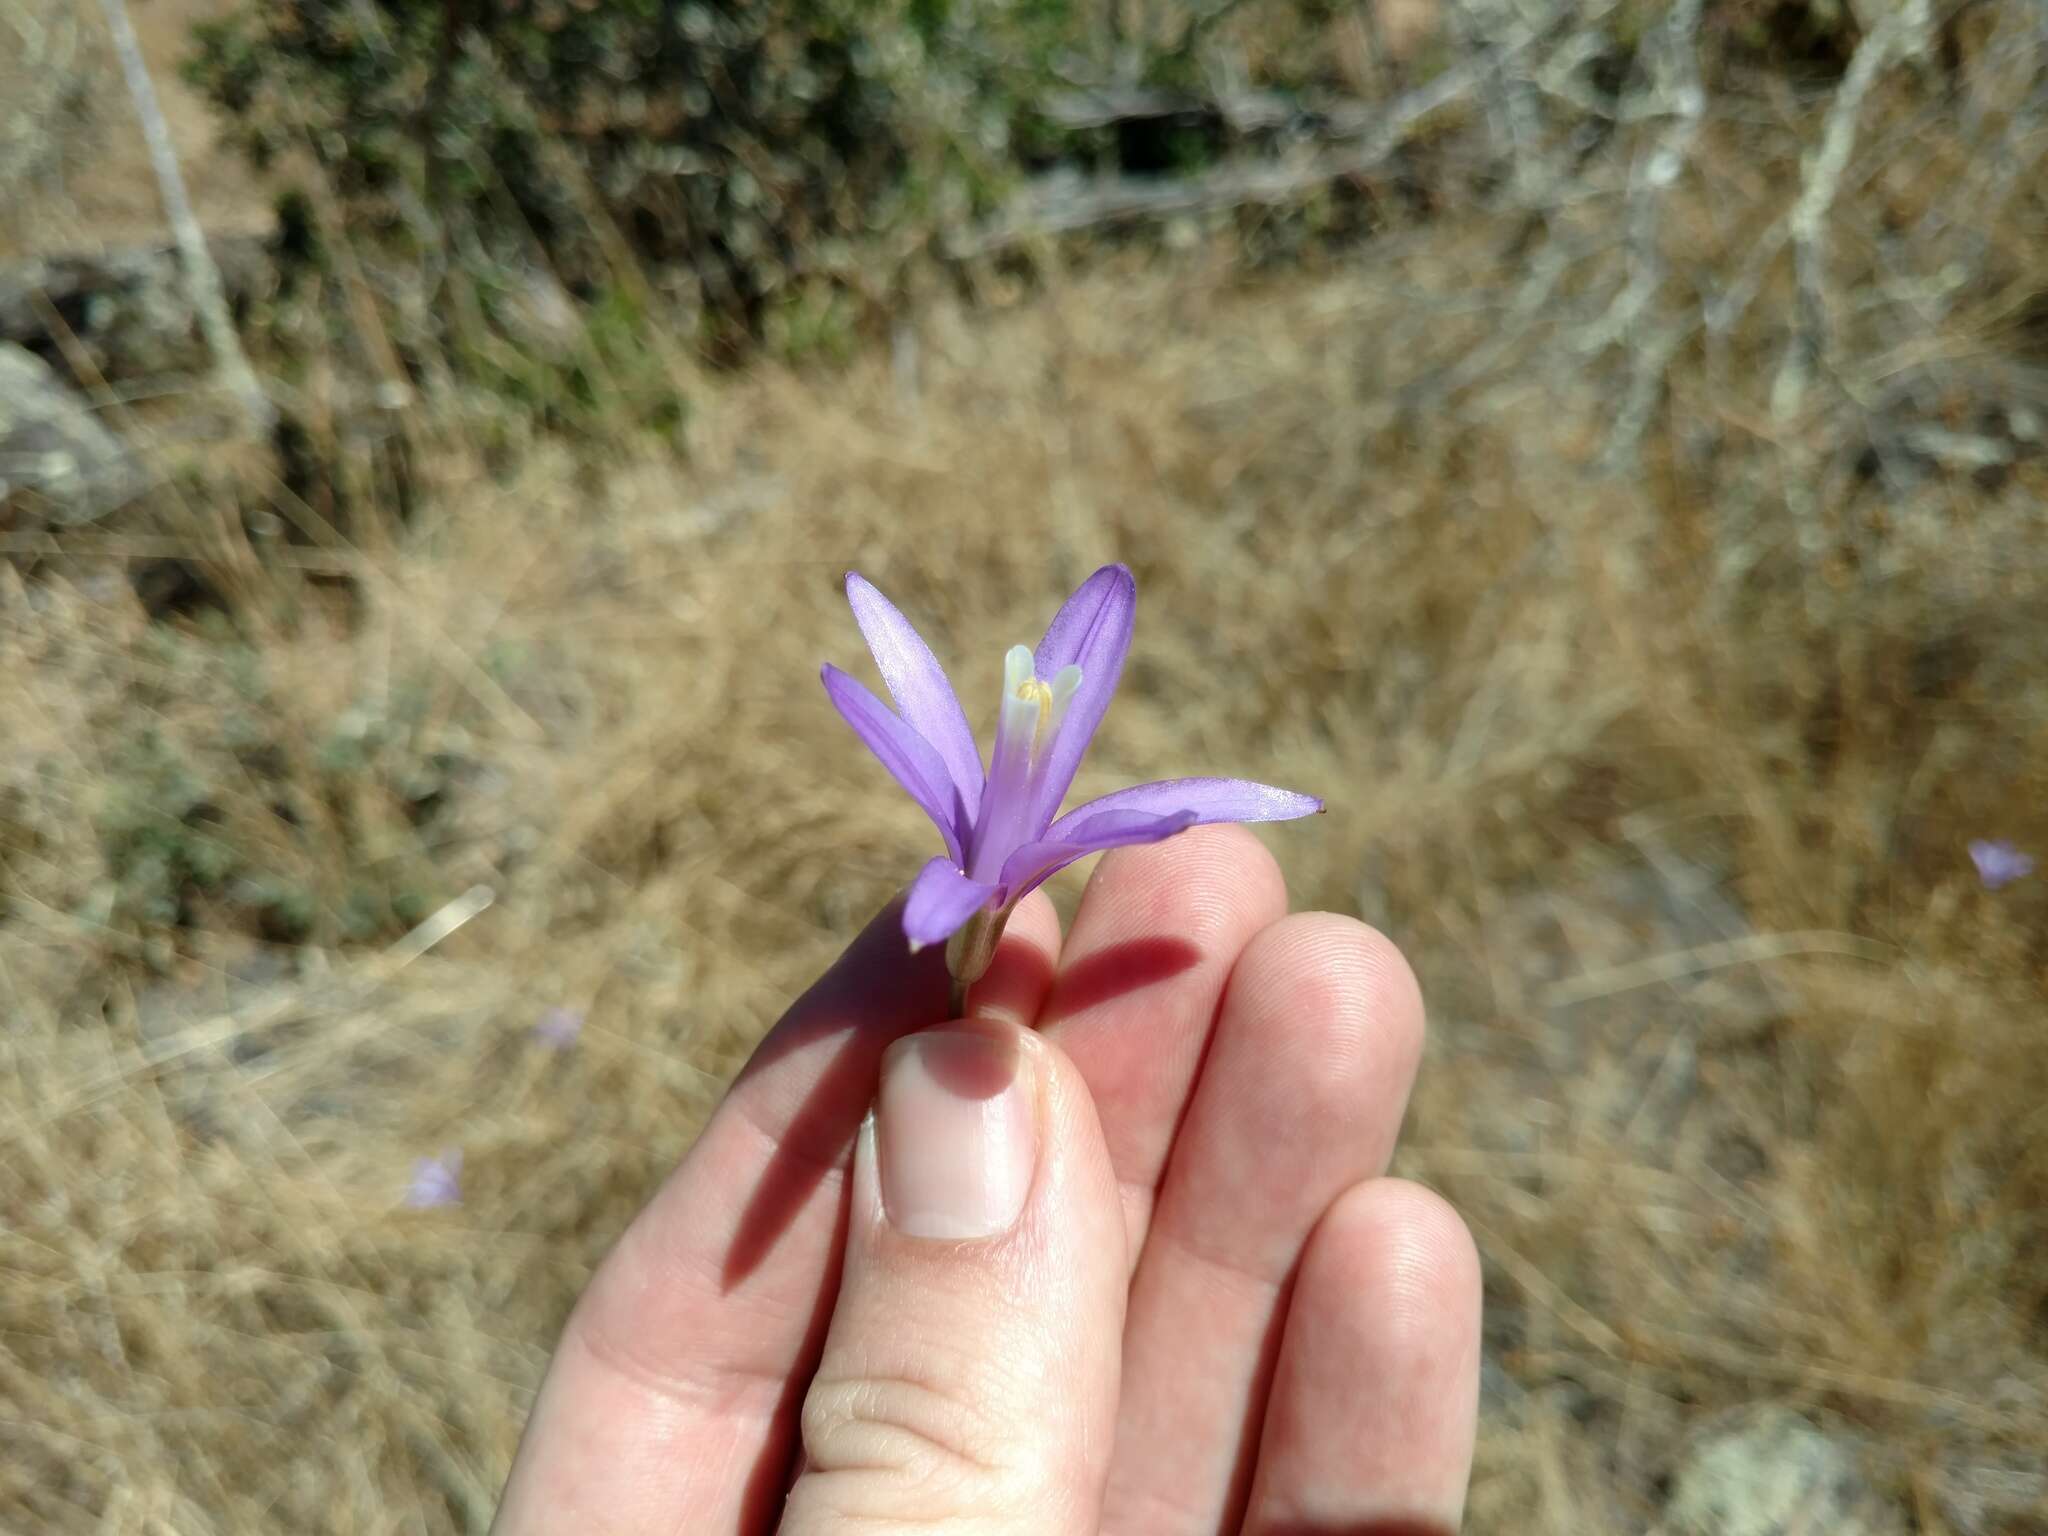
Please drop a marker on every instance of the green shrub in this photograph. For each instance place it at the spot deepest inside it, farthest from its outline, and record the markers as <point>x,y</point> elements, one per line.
<point>727,148</point>
<point>160,830</point>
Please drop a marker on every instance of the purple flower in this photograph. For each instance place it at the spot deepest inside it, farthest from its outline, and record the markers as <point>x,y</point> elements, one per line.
<point>1999,863</point>
<point>559,1028</point>
<point>999,828</point>
<point>436,1181</point>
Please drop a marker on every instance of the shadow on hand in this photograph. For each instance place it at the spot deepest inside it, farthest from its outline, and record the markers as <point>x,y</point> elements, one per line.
<point>1365,1528</point>
<point>1121,970</point>
<point>876,993</point>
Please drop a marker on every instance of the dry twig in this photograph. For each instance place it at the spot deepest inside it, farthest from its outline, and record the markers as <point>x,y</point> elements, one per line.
<point>201,275</point>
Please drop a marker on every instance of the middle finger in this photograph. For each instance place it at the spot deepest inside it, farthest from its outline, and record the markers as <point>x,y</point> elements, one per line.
<point>1141,976</point>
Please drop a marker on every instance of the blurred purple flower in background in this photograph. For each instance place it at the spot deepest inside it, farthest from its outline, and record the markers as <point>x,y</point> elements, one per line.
<point>559,1027</point>
<point>1001,838</point>
<point>436,1181</point>
<point>1999,863</point>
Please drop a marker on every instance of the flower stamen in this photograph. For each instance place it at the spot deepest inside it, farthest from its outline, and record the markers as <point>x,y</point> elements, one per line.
<point>1029,721</point>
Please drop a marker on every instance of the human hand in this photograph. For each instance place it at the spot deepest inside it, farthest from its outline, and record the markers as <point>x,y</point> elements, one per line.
<point>1116,1256</point>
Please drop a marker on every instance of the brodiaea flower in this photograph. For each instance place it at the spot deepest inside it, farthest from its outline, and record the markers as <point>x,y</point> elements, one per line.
<point>559,1028</point>
<point>436,1181</point>
<point>1999,863</point>
<point>1002,838</point>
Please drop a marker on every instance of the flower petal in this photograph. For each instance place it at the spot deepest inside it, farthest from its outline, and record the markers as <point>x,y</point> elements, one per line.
<point>923,694</point>
<point>1034,862</point>
<point>913,761</point>
<point>436,1181</point>
<point>1091,631</point>
<point>940,900</point>
<point>559,1027</point>
<point>1999,863</point>
<point>1208,799</point>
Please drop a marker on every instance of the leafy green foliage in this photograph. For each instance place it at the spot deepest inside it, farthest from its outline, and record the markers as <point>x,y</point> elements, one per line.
<point>159,830</point>
<point>282,817</point>
<point>728,148</point>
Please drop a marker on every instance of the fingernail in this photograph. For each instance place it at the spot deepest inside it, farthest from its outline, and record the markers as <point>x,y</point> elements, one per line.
<point>956,1133</point>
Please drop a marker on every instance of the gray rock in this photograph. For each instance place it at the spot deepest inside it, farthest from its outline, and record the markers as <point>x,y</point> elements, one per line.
<point>58,465</point>
<point>1771,1472</point>
<point>130,307</point>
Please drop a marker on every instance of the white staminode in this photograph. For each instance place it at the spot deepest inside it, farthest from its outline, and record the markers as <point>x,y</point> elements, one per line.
<point>1032,709</point>
<point>1025,728</point>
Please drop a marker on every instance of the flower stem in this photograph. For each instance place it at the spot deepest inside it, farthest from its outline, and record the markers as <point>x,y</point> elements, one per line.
<point>968,954</point>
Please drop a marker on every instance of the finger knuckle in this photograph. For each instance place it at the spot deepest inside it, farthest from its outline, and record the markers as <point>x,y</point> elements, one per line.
<point>897,1439</point>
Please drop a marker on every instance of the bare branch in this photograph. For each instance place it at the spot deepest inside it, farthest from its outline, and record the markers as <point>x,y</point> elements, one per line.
<point>1243,111</point>
<point>1675,89</point>
<point>1062,205</point>
<point>1822,181</point>
<point>202,277</point>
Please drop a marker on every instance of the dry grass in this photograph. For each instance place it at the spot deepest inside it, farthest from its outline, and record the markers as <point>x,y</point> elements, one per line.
<point>1662,777</point>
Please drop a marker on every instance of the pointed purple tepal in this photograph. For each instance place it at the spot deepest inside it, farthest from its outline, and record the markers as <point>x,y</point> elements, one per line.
<point>998,824</point>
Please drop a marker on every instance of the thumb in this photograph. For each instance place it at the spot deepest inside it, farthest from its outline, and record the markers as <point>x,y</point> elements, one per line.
<point>969,1377</point>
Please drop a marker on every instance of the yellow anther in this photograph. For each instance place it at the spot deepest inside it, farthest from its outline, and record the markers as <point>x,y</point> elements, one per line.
<point>1038,694</point>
